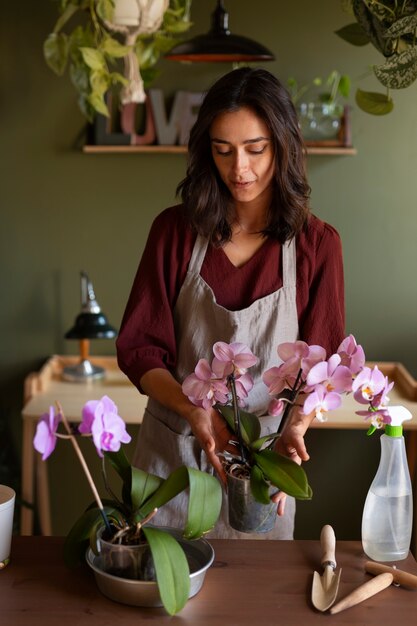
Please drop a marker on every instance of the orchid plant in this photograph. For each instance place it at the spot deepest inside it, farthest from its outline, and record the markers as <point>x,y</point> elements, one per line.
<point>305,378</point>
<point>126,518</point>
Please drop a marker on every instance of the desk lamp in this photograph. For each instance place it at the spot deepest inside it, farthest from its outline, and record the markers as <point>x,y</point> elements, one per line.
<point>219,45</point>
<point>91,323</point>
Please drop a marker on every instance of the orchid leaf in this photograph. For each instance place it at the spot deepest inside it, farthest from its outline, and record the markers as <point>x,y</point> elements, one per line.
<point>258,443</point>
<point>120,463</point>
<point>259,486</point>
<point>143,486</point>
<point>250,424</point>
<point>374,103</point>
<point>204,501</point>
<point>171,567</point>
<point>78,538</point>
<point>284,474</point>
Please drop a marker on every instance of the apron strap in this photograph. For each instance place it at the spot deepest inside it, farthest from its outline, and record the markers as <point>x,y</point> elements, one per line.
<point>198,254</point>
<point>289,264</point>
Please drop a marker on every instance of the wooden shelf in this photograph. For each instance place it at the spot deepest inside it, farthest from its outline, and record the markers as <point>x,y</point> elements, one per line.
<point>316,150</point>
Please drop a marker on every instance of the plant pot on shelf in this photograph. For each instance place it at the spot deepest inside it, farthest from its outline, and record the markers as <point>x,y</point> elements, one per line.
<point>246,514</point>
<point>320,121</point>
<point>125,573</point>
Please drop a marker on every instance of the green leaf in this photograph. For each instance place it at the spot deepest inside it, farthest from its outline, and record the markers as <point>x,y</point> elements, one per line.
<point>259,486</point>
<point>117,78</point>
<point>258,443</point>
<point>250,424</point>
<point>55,50</point>
<point>99,81</point>
<point>69,11</point>
<point>120,463</point>
<point>143,486</point>
<point>113,48</point>
<point>344,85</point>
<point>403,26</point>
<point>353,34</point>
<point>80,77</point>
<point>284,474</point>
<point>78,538</point>
<point>374,103</point>
<point>176,482</point>
<point>171,567</point>
<point>105,9</point>
<point>399,71</point>
<point>97,102</point>
<point>205,501</point>
<point>93,58</point>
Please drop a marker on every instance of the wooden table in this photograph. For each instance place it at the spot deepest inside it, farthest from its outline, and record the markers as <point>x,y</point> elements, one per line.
<point>45,387</point>
<point>264,583</point>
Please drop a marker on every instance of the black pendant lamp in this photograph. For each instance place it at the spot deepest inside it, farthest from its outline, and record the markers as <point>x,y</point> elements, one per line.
<point>219,45</point>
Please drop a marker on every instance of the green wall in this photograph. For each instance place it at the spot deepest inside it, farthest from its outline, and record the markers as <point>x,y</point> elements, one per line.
<point>63,211</point>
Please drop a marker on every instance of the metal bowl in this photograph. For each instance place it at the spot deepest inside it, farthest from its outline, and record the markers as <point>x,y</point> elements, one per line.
<point>200,556</point>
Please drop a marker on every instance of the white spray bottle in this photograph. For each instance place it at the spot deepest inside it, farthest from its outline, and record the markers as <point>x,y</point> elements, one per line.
<point>388,512</point>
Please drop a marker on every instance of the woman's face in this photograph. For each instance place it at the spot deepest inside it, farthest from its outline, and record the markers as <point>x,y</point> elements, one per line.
<point>243,152</point>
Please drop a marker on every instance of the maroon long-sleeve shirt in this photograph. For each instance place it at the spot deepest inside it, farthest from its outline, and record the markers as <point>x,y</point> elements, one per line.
<point>147,339</point>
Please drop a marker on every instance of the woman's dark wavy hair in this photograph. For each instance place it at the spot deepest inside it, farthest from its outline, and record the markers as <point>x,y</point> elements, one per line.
<point>206,199</point>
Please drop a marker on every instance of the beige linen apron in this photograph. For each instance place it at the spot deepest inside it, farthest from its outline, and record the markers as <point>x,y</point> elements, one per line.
<point>165,440</point>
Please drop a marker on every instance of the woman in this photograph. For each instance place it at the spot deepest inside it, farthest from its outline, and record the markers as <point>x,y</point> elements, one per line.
<point>242,259</point>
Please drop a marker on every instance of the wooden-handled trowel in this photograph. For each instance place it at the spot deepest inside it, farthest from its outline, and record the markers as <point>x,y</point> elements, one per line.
<point>325,587</point>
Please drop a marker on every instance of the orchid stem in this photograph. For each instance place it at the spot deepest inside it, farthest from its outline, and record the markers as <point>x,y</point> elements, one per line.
<point>85,467</point>
<point>236,415</point>
<point>291,400</point>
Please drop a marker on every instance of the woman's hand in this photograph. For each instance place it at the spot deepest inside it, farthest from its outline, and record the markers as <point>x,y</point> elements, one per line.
<point>208,427</point>
<point>213,435</point>
<point>291,444</point>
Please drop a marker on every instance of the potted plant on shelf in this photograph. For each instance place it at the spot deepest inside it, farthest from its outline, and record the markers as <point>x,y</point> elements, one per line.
<point>105,31</point>
<point>256,470</point>
<point>319,104</point>
<point>118,529</point>
<point>390,27</point>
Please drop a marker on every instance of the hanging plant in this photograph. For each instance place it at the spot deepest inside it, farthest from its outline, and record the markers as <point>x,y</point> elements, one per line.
<point>390,26</point>
<point>91,37</point>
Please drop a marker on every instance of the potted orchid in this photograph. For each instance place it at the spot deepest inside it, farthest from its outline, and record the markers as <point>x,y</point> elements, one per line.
<point>305,378</point>
<point>118,525</point>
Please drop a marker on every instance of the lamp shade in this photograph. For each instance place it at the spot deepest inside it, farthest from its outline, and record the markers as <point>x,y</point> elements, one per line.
<point>90,323</point>
<point>91,326</point>
<point>219,45</point>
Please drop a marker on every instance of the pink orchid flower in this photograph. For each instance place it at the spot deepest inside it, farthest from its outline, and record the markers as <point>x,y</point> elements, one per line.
<point>232,358</point>
<point>330,374</point>
<point>299,355</point>
<point>45,436</point>
<point>295,356</point>
<point>279,378</point>
<point>243,385</point>
<point>100,418</point>
<point>276,407</point>
<point>320,401</point>
<point>368,384</point>
<point>381,399</point>
<point>351,354</point>
<point>203,388</point>
<point>379,417</point>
